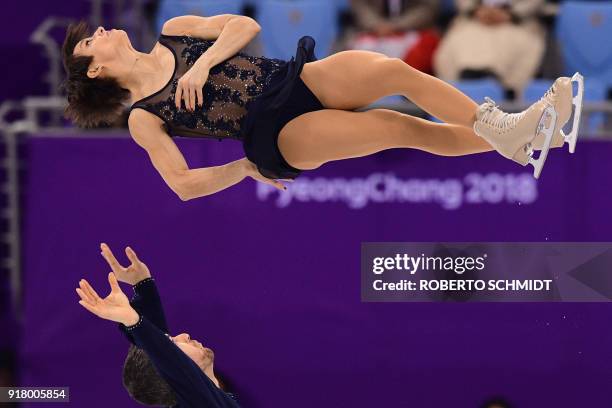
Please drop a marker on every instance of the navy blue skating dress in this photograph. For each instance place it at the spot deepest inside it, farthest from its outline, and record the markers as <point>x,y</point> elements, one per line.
<point>246,98</point>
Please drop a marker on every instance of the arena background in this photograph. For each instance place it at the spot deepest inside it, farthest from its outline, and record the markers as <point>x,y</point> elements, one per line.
<point>271,281</point>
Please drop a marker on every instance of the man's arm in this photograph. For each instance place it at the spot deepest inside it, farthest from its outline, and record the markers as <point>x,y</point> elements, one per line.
<point>147,302</point>
<point>146,297</point>
<point>192,387</point>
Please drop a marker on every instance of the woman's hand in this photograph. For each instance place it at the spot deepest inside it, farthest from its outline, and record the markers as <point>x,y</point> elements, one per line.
<point>251,170</point>
<point>190,86</point>
<point>115,307</point>
<point>134,273</point>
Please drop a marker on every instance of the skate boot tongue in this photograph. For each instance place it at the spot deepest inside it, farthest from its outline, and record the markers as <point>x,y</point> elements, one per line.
<point>510,134</point>
<point>491,115</point>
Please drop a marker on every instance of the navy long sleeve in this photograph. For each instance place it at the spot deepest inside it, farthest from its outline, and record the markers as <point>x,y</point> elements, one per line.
<point>192,387</point>
<point>147,302</point>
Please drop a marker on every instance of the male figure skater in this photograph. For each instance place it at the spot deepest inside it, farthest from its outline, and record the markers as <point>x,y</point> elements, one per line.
<point>160,370</point>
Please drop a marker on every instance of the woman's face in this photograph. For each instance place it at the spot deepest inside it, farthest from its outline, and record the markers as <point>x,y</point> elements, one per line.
<point>103,46</point>
<point>201,355</point>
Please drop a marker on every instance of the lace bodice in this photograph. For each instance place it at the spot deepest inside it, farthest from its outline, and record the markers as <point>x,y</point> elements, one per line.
<point>228,91</point>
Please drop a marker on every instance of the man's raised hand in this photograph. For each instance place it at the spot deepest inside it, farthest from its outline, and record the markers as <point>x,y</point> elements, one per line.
<point>132,274</point>
<point>115,306</point>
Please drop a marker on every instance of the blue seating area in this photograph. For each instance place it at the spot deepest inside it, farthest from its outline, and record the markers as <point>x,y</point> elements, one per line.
<point>478,89</point>
<point>174,8</point>
<point>284,22</point>
<point>584,32</point>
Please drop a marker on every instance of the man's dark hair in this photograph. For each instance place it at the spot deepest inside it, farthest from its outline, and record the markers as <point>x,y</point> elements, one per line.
<point>91,101</point>
<point>143,382</point>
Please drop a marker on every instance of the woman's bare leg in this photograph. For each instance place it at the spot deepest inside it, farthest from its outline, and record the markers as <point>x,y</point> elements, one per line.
<point>318,137</point>
<point>353,79</point>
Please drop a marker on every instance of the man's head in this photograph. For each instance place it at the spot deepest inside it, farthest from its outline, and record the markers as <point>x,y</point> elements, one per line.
<point>202,356</point>
<point>93,62</point>
<point>146,385</point>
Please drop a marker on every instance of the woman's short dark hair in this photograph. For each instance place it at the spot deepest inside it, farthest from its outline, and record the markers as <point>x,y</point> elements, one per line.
<point>91,101</point>
<point>143,382</point>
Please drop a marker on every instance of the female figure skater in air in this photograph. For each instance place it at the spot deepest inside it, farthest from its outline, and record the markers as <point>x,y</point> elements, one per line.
<point>289,115</point>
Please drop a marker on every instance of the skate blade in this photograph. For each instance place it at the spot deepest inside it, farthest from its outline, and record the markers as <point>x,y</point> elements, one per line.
<point>538,164</point>
<point>572,137</point>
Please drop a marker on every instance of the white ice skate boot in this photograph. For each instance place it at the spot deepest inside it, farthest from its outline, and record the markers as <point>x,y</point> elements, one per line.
<point>561,97</point>
<point>512,135</point>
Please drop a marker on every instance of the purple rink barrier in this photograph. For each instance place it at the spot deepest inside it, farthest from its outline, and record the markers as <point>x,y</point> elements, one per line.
<point>275,291</point>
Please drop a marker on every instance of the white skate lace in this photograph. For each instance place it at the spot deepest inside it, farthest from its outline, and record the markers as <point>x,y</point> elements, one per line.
<point>549,94</point>
<point>498,119</point>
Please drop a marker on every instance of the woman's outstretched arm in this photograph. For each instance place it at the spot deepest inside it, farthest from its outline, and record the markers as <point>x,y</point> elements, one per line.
<point>170,163</point>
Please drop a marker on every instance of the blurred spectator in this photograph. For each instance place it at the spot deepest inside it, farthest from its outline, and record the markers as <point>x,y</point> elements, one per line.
<point>384,17</point>
<point>398,28</point>
<point>499,38</point>
<point>496,403</point>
